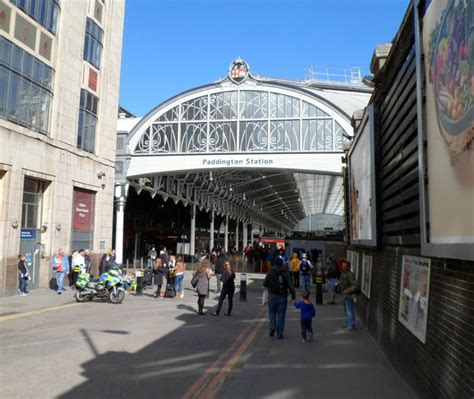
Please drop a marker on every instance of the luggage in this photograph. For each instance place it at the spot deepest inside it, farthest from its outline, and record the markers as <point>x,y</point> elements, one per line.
<point>170,292</point>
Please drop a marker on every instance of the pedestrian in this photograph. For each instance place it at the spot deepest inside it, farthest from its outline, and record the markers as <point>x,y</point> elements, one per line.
<point>219,268</point>
<point>278,281</point>
<point>295,269</point>
<point>61,268</point>
<point>152,255</point>
<point>203,273</point>
<point>307,313</point>
<point>332,275</point>
<point>23,276</point>
<point>78,265</point>
<point>159,273</point>
<point>106,262</point>
<point>179,277</point>
<point>228,289</point>
<point>350,288</point>
<point>305,272</point>
<point>87,260</point>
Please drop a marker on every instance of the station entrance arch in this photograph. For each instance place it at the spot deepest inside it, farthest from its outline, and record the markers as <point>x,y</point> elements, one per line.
<point>264,152</point>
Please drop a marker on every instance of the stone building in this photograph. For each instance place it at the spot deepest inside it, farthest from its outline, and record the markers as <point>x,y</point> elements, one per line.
<point>59,88</point>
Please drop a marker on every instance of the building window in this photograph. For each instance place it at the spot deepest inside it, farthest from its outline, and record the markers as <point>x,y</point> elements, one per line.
<point>26,86</point>
<point>32,204</point>
<point>83,204</point>
<point>87,121</point>
<point>45,12</point>
<point>119,143</point>
<point>93,43</point>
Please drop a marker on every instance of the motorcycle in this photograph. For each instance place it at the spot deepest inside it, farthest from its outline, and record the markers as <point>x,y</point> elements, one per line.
<point>111,285</point>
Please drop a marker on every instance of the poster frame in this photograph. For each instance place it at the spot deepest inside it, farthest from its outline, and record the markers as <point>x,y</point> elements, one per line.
<point>464,251</point>
<point>369,118</point>
<point>366,290</point>
<point>407,325</point>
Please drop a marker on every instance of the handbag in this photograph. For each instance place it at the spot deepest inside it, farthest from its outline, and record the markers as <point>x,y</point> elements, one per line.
<point>195,280</point>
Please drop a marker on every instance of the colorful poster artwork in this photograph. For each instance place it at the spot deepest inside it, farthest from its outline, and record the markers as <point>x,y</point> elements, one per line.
<point>448,45</point>
<point>366,274</point>
<point>360,187</point>
<point>414,290</point>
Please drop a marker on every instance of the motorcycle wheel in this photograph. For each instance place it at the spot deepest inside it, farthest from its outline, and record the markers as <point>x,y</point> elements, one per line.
<point>81,297</point>
<point>116,296</point>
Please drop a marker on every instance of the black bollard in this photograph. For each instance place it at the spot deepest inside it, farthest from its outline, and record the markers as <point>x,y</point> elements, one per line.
<point>319,290</point>
<point>243,287</point>
<point>139,290</point>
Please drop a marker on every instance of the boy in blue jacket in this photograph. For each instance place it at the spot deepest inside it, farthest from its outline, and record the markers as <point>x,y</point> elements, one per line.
<point>307,312</point>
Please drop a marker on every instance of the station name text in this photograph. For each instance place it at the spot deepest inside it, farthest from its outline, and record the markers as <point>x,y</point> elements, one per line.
<point>232,162</point>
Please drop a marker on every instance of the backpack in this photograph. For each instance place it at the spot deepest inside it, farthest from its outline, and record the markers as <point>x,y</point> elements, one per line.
<point>277,283</point>
<point>304,267</point>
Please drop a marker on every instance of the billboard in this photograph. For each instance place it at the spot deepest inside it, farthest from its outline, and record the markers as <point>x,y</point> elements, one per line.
<point>445,54</point>
<point>362,199</point>
<point>414,291</point>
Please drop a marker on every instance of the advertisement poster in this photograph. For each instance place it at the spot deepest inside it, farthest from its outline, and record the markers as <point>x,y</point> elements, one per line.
<point>414,291</point>
<point>83,210</point>
<point>353,258</point>
<point>448,45</point>
<point>366,274</point>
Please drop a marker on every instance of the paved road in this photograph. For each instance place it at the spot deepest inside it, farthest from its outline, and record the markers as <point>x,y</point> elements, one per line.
<point>150,347</point>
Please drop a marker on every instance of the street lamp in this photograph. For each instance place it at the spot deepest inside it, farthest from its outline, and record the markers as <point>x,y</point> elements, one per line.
<point>183,238</point>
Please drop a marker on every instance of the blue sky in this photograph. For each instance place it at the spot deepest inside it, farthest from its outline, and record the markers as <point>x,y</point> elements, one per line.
<point>174,45</point>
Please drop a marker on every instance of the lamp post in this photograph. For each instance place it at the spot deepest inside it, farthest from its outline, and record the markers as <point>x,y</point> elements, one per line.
<point>183,238</point>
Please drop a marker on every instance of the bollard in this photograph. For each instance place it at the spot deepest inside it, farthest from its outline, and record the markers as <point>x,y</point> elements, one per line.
<point>243,287</point>
<point>319,289</point>
<point>139,290</point>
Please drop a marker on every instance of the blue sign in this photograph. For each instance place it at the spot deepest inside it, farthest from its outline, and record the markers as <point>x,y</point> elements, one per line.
<point>28,234</point>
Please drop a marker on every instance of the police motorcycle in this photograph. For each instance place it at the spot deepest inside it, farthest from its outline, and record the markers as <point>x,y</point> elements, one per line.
<point>111,285</point>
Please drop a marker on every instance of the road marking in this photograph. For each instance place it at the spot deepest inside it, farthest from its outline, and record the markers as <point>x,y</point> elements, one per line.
<point>35,312</point>
<point>212,379</point>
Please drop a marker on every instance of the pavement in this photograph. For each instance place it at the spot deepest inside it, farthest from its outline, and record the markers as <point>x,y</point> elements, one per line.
<point>145,347</point>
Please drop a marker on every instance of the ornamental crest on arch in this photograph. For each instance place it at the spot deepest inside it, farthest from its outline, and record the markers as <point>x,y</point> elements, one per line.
<point>238,71</point>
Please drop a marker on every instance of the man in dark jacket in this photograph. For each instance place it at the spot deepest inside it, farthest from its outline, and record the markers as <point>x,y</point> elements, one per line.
<point>278,281</point>
<point>219,268</point>
<point>350,288</point>
<point>228,289</point>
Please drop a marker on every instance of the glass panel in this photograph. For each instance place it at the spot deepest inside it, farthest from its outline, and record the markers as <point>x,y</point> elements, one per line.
<point>254,136</point>
<point>284,135</point>
<point>5,52</point>
<point>143,145</point>
<point>253,105</point>
<point>163,138</point>
<point>13,91</point>
<point>23,107</point>
<point>311,111</point>
<point>193,137</point>
<point>317,135</point>
<point>170,115</point>
<point>223,105</point>
<point>34,110</point>
<point>222,136</point>
<point>195,109</point>
<point>282,106</point>
<point>339,137</point>
<point>3,90</point>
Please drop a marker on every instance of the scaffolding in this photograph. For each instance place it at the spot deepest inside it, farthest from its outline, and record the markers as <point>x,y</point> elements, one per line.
<point>337,76</point>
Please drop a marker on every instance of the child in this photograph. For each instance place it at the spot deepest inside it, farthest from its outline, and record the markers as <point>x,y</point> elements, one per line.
<point>308,311</point>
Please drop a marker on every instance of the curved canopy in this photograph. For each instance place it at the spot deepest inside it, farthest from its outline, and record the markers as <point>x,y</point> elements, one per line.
<point>241,148</point>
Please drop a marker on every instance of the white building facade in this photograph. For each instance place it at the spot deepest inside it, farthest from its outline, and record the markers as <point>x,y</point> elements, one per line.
<point>59,88</point>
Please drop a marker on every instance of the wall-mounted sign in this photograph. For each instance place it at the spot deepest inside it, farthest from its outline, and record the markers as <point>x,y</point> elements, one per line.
<point>414,290</point>
<point>83,210</point>
<point>362,184</point>
<point>238,71</point>
<point>28,234</point>
<point>445,47</point>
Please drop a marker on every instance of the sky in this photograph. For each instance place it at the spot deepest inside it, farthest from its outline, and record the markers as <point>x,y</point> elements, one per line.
<point>171,46</point>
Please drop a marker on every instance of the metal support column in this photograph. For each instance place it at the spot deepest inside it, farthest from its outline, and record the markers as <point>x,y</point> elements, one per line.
<point>245,235</point>
<point>192,242</point>
<point>251,234</point>
<point>226,234</point>
<point>237,222</point>
<point>120,202</point>
<point>211,232</point>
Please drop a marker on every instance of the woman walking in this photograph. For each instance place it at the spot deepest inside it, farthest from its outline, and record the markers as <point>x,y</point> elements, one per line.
<point>178,282</point>
<point>159,273</point>
<point>203,273</point>
<point>228,289</point>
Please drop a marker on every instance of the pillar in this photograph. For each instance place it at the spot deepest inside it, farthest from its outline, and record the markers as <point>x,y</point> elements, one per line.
<point>120,202</point>
<point>211,232</point>
<point>226,234</point>
<point>244,234</point>
<point>251,233</point>
<point>192,240</point>
<point>237,222</point>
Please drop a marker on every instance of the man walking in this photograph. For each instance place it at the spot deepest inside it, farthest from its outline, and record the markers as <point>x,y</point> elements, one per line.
<point>350,287</point>
<point>219,268</point>
<point>60,268</point>
<point>305,272</point>
<point>278,281</point>
<point>152,255</point>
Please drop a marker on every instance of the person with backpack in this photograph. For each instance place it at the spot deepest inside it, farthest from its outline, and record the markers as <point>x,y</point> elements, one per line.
<point>332,275</point>
<point>307,313</point>
<point>306,269</point>
<point>278,281</point>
